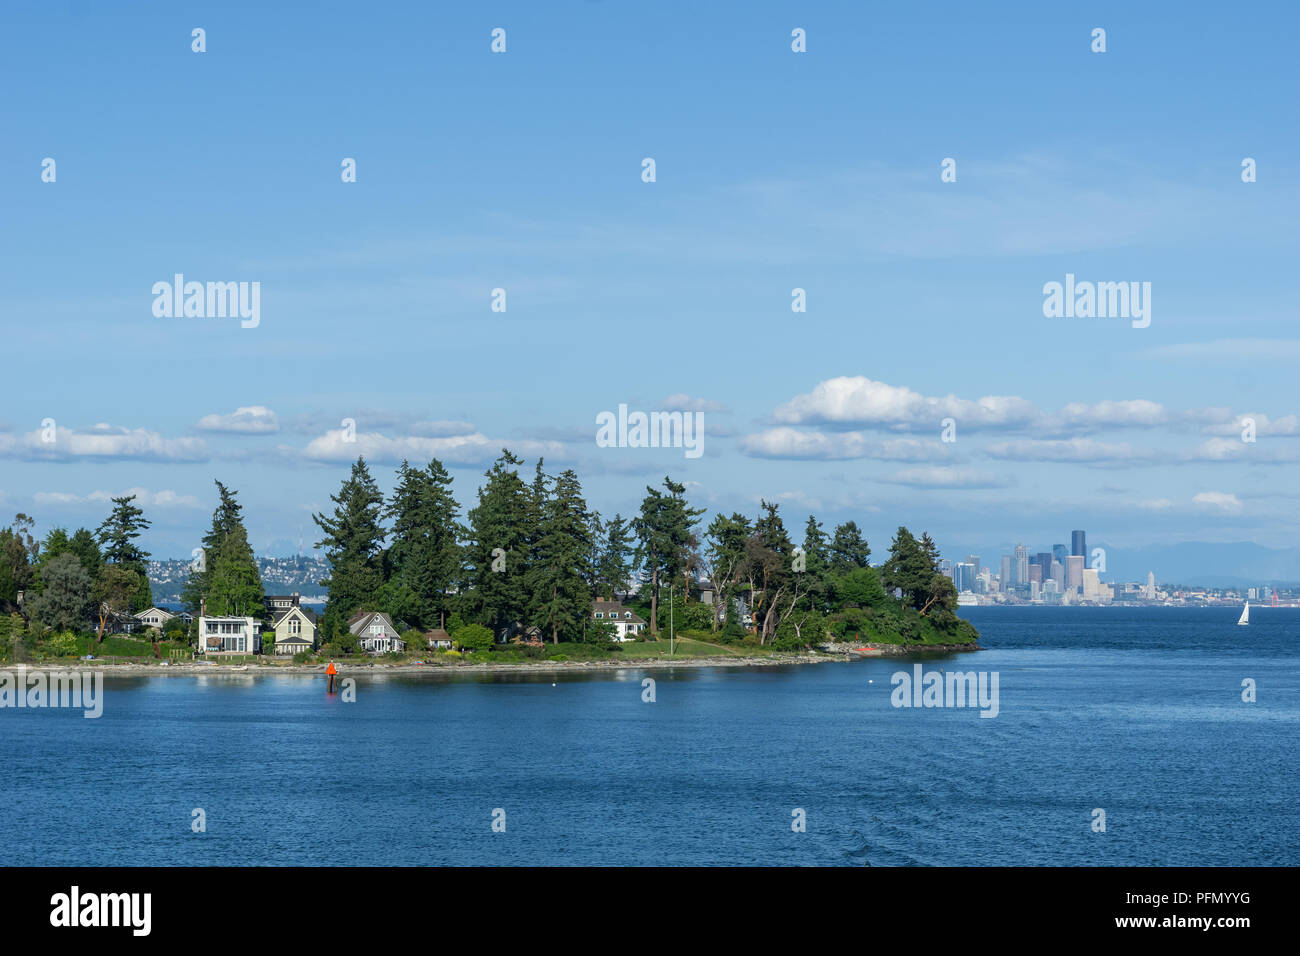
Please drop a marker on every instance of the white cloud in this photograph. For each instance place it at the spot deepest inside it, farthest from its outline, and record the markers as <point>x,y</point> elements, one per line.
<point>248,420</point>
<point>1081,450</point>
<point>475,449</point>
<point>144,498</point>
<point>947,477</point>
<point>1218,501</point>
<point>681,402</point>
<point>793,443</point>
<point>102,442</point>
<point>857,400</point>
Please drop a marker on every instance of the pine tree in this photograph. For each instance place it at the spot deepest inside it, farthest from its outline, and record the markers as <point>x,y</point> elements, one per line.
<point>666,539</point>
<point>816,565</point>
<point>614,567</point>
<point>353,538</point>
<point>497,552</point>
<point>425,554</point>
<point>117,538</point>
<point>240,575</point>
<point>848,549</point>
<point>557,582</point>
<point>234,586</point>
<point>725,554</point>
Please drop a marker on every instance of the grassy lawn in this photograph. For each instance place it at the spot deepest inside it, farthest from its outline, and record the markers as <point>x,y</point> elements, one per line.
<point>687,647</point>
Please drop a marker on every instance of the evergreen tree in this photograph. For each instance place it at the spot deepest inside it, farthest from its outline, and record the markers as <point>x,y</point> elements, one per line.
<point>66,599</point>
<point>234,584</point>
<point>18,551</point>
<point>666,540</point>
<point>557,582</point>
<point>497,551</point>
<point>614,569</point>
<point>908,569</point>
<point>117,539</point>
<point>353,538</point>
<point>725,555</point>
<point>816,551</point>
<point>236,588</point>
<point>425,555</point>
<point>848,549</point>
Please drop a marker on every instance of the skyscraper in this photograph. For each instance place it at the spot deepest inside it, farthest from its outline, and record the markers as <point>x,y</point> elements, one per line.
<point>1074,572</point>
<point>1004,578</point>
<point>1021,575</point>
<point>974,561</point>
<point>1059,553</point>
<point>1079,544</point>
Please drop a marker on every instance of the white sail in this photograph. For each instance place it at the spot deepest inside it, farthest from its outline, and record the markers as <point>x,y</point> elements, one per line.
<point>1245,614</point>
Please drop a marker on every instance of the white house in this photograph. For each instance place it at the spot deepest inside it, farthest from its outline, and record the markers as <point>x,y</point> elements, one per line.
<point>377,632</point>
<point>154,617</point>
<point>627,625</point>
<point>229,635</point>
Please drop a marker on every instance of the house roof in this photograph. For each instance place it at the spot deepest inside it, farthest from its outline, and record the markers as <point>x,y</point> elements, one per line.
<point>365,618</point>
<point>616,609</point>
<point>279,614</point>
<point>294,640</point>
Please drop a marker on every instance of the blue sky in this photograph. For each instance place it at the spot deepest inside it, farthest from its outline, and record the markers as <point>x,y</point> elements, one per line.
<point>775,170</point>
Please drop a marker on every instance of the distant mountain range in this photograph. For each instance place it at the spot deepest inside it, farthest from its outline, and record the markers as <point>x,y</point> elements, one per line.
<point>1198,563</point>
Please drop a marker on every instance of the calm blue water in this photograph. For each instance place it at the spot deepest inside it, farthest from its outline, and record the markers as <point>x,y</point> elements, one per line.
<point>1136,711</point>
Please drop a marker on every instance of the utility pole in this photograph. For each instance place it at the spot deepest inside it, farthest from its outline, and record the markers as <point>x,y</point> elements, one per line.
<point>670,619</point>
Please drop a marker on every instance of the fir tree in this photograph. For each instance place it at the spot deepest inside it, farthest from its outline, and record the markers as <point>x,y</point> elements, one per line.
<point>353,538</point>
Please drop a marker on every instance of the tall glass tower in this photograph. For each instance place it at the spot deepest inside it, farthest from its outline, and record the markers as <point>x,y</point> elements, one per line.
<point>1079,544</point>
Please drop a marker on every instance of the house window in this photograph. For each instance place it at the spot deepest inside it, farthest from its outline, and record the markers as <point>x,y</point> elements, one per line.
<point>295,627</point>
<point>599,615</point>
<point>377,630</point>
<point>628,615</point>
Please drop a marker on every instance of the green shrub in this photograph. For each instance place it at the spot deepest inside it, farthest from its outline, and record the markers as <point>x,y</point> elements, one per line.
<point>63,644</point>
<point>302,657</point>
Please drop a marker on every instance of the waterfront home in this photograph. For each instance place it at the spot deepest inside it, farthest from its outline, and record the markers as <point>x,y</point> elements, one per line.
<point>294,626</point>
<point>288,646</point>
<point>627,624</point>
<point>229,635</point>
<point>377,632</point>
<point>154,617</point>
<point>438,639</point>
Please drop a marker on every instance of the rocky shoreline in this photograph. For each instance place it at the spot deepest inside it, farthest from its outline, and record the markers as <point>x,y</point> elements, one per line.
<point>833,653</point>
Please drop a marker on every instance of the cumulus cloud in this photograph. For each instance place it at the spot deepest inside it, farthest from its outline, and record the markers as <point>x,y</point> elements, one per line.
<point>101,442</point>
<point>248,420</point>
<point>860,401</point>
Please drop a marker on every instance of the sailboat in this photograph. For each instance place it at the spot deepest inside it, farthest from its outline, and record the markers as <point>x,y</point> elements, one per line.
<point>1245,615</point>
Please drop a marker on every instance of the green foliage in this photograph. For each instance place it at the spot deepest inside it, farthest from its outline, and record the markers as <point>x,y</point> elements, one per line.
<point>424,561</point>
<point>557,582</point>
<point>499,530</point>
<point>353,538</point>
<point>62,644</point>
<point>117,537</point>
<point>666,539</point>
<point>66,599</point>
<point>474,637</point>
<point>18,549</point>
